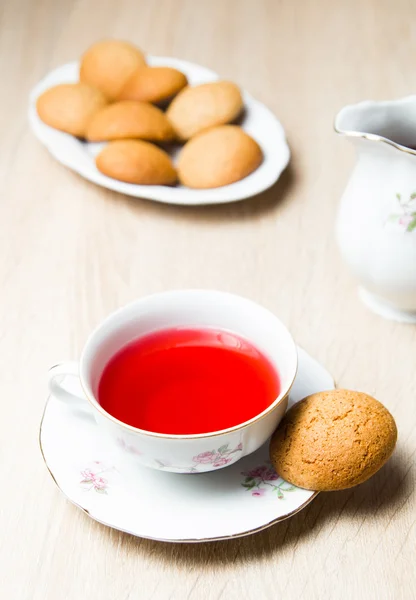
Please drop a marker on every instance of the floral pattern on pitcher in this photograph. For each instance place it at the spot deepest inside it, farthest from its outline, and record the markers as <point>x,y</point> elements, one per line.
<point>406,219</point>
<point>92,480</point>
<point>263,480</point>
<point>217,458</point>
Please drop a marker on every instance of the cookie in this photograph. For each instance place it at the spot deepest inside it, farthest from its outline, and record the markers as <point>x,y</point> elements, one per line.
<point>153,84</point>
<point>70,107</point>
<point>135,161</point>
<point>217,157</point>
<point>207,105</point>
<point>333,440</point>
<point>108,64</point>
<point>130,120</point>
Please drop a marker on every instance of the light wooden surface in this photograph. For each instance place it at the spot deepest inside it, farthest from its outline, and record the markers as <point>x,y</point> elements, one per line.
<point>71,252</point>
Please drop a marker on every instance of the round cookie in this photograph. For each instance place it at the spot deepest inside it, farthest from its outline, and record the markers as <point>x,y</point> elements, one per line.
<point>129,120</point>
<point>153,84</point>
<point>207,105</point>
<point>69,107</point>
<point>108,64</point>
<point>135,161</point>
<point>217,157</point>
<point>333,440</point>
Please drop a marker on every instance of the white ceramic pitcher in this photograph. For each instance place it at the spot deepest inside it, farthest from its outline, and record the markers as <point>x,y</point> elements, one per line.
<point>376,225</point>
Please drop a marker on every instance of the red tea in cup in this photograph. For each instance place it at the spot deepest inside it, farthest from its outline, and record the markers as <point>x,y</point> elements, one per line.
<point>188,381</point>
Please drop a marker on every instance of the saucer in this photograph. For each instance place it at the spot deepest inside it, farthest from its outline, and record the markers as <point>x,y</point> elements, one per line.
<point>79,156</point>
<point>239,500</point>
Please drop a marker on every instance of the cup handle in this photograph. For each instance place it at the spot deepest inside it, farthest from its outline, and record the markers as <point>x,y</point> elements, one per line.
<point>56,375</point>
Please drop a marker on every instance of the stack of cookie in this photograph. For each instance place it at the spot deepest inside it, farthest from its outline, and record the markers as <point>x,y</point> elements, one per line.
<point>142,111</point>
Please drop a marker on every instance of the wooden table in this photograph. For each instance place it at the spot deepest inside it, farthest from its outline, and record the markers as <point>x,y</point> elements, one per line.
<point>72,252</point>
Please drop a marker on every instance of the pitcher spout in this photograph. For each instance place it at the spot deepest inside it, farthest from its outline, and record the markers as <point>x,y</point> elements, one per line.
<point>390,122</point>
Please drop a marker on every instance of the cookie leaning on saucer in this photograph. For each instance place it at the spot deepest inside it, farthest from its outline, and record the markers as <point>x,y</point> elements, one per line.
<point>135,161</point>
<point>70,107</point>
<point>129,119</point>
<point>217,157</point>
<point>333,440</point>
<point>153,84</point>
<point>108,64</point>
<point>207,105</point>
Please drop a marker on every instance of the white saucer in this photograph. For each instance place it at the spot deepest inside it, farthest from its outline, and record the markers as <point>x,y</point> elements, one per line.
<point>236,501</point>
<point>258,121</point>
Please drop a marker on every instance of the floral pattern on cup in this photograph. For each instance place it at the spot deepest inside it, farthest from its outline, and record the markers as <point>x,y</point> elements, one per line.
<point>92,480</point>
<point>217,458</point>
<point>263,480</point>
<point>406,218</point>
<point>128,448</point>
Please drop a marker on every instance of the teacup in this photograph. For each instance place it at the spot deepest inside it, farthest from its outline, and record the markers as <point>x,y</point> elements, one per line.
<point>186,308</point>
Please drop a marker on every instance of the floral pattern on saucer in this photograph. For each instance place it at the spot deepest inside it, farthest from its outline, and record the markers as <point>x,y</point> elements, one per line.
<point>217,458</point>
<point>92,480</point>
<point>259,481</point>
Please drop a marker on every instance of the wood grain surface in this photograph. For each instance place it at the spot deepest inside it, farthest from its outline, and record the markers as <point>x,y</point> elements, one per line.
<point>71,252</point>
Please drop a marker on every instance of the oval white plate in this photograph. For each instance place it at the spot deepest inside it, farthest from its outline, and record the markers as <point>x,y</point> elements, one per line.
<point>258,121</point>
<point>236,501</point>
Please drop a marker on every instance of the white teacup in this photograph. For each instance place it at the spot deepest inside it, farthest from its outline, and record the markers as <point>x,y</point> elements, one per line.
<point>185,308</point>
